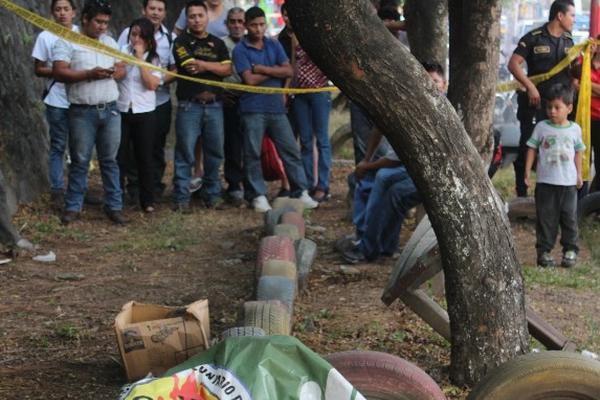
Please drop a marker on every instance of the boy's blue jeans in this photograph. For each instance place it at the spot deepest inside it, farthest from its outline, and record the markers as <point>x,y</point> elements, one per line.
<point>195,120</point>
<point>58,123</point>
<point>101,127</point>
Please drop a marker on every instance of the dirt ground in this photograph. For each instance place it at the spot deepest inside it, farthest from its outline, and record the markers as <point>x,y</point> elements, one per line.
<point>56,320</point>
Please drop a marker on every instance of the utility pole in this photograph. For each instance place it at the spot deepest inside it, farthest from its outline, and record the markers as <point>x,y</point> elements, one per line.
<point>594,18</point>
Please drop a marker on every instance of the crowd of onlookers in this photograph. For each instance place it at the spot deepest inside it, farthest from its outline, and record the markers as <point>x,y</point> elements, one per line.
<point>123,111</point>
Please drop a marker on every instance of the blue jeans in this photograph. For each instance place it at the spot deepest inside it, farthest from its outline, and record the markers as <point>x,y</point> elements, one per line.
<point>193,121</point>
<point>100,127</point>
<point>369,192</point>
<point>311,116</point>
<point>278,128</point>
<point>382,229</point>
<point>58,123</point>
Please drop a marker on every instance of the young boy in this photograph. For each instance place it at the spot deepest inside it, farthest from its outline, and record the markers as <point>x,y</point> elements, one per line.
<point>560,148</point>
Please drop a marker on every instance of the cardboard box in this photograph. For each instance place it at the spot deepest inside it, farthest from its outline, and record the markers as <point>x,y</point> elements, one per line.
<point>155,338</point>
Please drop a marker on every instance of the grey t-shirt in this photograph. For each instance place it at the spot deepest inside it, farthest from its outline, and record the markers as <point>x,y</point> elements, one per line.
<point>556,147</point>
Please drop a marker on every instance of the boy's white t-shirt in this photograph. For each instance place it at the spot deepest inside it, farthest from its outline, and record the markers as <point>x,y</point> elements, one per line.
<point>556,146</point>
<point>42,50</point>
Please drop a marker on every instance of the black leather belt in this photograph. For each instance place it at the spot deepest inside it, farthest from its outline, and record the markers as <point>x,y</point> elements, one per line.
<point>204,102</point>
<point>100,106</point>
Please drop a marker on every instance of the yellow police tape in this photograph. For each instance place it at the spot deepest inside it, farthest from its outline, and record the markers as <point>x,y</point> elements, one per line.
<point>85,41</point>
<point>583,107</point>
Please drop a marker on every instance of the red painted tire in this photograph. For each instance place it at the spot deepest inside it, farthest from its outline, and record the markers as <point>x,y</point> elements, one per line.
<point>275,248</point>
<point>384,376</point>
<point>294,218</point>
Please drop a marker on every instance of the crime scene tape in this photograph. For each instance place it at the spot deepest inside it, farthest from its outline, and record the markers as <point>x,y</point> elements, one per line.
<point>573,53</point>
<point>583,108</point>
<point>90,43</point>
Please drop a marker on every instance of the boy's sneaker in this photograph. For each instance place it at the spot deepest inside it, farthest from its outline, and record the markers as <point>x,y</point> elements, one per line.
<point>545,260</point>
<point>261,204</point>
<point>195,184</point>
<point>308,202</point>
<point>569,259</point>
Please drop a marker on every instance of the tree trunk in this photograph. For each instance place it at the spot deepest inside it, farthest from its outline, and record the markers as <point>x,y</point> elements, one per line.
<point>427,29</point>
<point>474,54</point>
<point>483,280</point>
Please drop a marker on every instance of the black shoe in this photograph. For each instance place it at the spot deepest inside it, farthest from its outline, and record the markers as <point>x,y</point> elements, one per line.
<point>57,200</point>
<point>68,217</point>
<point>183,208</point>
<point>354,256</point>
<point>116,216</point>
<point>346,243</point>
<point>92,200</point>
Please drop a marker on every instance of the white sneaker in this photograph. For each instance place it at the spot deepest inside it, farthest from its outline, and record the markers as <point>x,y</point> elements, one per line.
<point>195,184</point>
<point>308,202</point>
<point>261,204</point>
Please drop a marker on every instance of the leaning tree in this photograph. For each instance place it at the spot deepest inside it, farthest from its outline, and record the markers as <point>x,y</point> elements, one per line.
<point>483,281</point>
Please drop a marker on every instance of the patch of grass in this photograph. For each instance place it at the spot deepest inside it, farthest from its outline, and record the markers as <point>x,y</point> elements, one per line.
<point>67,331</point>
<point>504,182</point>
<point>590,235</point>
<point>50,226</point>
<point>583,276</point>
<point>174,232</point>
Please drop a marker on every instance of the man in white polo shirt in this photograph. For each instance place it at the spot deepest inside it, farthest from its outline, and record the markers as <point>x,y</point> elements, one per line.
<point>93,116</point>
<point>156,11</point>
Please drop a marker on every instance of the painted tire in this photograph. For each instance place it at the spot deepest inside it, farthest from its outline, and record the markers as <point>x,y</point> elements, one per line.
<point>384,376</point>
<point>588,205</point>
<point>285,269</point>
<point>548,375</point>
<point>275,248</point>
<point>277,288</point>
<point>287,230</point>
<point>272,218</point>
<point>294,218</point>
<point>296,204</point>
<point>271,316</point>
<point>306,253</point>
<point>243,331</point>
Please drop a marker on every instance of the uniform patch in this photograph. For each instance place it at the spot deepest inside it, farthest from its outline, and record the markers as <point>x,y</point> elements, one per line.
<point>541,50</point>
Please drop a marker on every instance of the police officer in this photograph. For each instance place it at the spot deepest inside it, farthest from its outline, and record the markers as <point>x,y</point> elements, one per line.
<point>541,49</point>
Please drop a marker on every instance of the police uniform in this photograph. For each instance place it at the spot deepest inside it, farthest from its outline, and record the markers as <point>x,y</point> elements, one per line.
<point>541,52</point>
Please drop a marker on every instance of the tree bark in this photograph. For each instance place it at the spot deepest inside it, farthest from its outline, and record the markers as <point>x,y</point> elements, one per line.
<point>427,29</point>
<point>474,55</point>
<point>483,281</point>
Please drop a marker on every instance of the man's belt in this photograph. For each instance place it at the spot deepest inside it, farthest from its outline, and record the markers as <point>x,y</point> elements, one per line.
<point>99,106</point>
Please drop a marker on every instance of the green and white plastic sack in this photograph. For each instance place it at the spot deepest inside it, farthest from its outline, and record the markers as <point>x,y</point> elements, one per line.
<point>244,368</point>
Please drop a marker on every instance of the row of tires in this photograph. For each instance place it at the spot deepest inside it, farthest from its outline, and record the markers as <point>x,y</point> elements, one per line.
<point>283,263</point>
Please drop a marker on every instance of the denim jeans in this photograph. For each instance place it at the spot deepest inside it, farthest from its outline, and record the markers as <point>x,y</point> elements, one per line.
<point>311,117</point>
<point>100,127</point>
<point>58,123</point>
<point>384,221</point>
<point>278,128</point>
<point>369,193</point>
<point>195,120</point>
